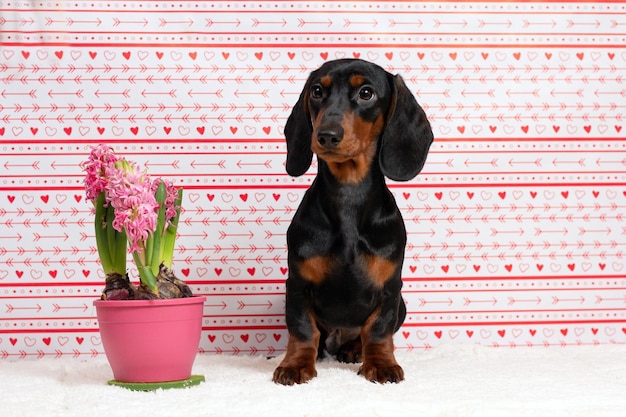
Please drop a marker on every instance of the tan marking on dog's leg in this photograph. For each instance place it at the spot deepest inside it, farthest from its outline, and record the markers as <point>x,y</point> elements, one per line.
<point>379,361</point>
<point>315,269</point>
<point>298,365</point>
<point>379,269</point>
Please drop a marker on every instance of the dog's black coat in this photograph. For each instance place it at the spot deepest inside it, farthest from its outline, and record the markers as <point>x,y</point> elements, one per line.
<point>346,241</point>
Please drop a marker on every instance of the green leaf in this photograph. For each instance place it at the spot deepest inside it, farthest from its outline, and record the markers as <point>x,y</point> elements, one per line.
<point>120,254</point>
<point>102,242</point>
<point>156,255</point>
<point>110,232</point>
<point>149,243</point>
<point>170,233</point>
<point>146,276</point>
<point>149,280</point>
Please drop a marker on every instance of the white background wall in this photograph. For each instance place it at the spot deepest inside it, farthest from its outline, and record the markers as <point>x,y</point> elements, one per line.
<point>516,225</point>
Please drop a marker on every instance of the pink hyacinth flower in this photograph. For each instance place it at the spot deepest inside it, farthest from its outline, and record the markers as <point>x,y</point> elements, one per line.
<point>100,158</point>
<point>129,192</point>
<point>171,208</point>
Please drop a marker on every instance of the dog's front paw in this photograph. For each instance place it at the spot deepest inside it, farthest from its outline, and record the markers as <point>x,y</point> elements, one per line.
<point>382,373</point>
<point>287,375</point>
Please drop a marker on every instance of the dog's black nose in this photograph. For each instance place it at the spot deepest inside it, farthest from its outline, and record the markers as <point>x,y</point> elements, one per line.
<point>330,137</point>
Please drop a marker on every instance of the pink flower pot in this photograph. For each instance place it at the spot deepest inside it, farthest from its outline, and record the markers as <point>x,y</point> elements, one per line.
<point>151,340</point>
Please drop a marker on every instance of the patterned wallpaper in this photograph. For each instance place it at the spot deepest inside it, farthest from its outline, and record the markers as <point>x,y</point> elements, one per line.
<point>516,225</point>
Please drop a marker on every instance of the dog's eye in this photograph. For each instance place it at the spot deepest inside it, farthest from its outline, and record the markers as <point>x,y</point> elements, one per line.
<point>317,91</point>
<point>366,93</point>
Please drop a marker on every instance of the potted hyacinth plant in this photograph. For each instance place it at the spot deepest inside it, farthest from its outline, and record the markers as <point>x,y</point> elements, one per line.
<point>135,214</point>
<point>150,330</point>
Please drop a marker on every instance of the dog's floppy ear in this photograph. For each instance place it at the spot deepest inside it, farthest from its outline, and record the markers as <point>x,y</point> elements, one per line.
<point>298,132</point>
<point>407,135</point>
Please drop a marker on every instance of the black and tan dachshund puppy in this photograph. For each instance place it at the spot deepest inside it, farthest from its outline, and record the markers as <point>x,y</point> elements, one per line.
<point>346,241</point>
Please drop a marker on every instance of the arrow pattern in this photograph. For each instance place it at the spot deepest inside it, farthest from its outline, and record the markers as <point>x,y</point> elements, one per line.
<point>516,232</point>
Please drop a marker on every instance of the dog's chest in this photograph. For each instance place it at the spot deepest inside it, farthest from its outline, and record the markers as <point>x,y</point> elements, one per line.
<point>338,305</point>
<point>345,253</point>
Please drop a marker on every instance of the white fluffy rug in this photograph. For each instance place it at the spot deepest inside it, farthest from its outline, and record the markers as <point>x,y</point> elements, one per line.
<point>445,381</point>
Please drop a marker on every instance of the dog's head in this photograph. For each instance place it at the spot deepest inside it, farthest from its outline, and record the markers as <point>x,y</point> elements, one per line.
<point>351,111</point>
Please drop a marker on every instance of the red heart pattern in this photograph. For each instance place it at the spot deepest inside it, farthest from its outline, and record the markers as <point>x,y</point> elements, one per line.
<point>515,226</point>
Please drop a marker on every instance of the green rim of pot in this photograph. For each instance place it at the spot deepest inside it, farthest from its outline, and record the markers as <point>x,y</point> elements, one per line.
<point>153,386</point>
